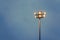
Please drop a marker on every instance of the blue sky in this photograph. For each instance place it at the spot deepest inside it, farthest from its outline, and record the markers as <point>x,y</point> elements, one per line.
<point>17,21</point>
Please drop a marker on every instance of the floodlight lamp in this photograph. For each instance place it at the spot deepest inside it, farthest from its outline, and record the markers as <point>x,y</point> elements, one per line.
<point>44,16</point>
<point>35,16</point>
<point>40,16</point>
<point>44,13</point>
<point>39,12</point>
<point>34,13</point>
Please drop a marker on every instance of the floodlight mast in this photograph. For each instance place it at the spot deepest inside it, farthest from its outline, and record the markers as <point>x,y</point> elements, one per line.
<point>39,15</point>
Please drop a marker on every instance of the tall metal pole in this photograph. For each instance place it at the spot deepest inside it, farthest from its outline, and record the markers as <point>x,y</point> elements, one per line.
<point>39,15</point>
<point>39,26</point>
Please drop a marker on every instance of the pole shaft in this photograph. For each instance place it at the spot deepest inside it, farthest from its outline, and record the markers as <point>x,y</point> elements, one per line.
<point>39,25</point>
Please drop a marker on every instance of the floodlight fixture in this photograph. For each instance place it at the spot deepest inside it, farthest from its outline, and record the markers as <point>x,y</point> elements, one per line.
<point>39,15</point>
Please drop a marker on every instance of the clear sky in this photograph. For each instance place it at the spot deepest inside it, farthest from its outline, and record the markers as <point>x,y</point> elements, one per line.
<point>17,21</point>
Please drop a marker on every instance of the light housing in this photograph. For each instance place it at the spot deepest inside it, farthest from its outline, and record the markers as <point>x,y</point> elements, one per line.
<point>39,14</point>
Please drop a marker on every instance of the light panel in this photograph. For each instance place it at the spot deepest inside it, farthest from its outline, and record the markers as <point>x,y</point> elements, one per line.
<point>40,14</point>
